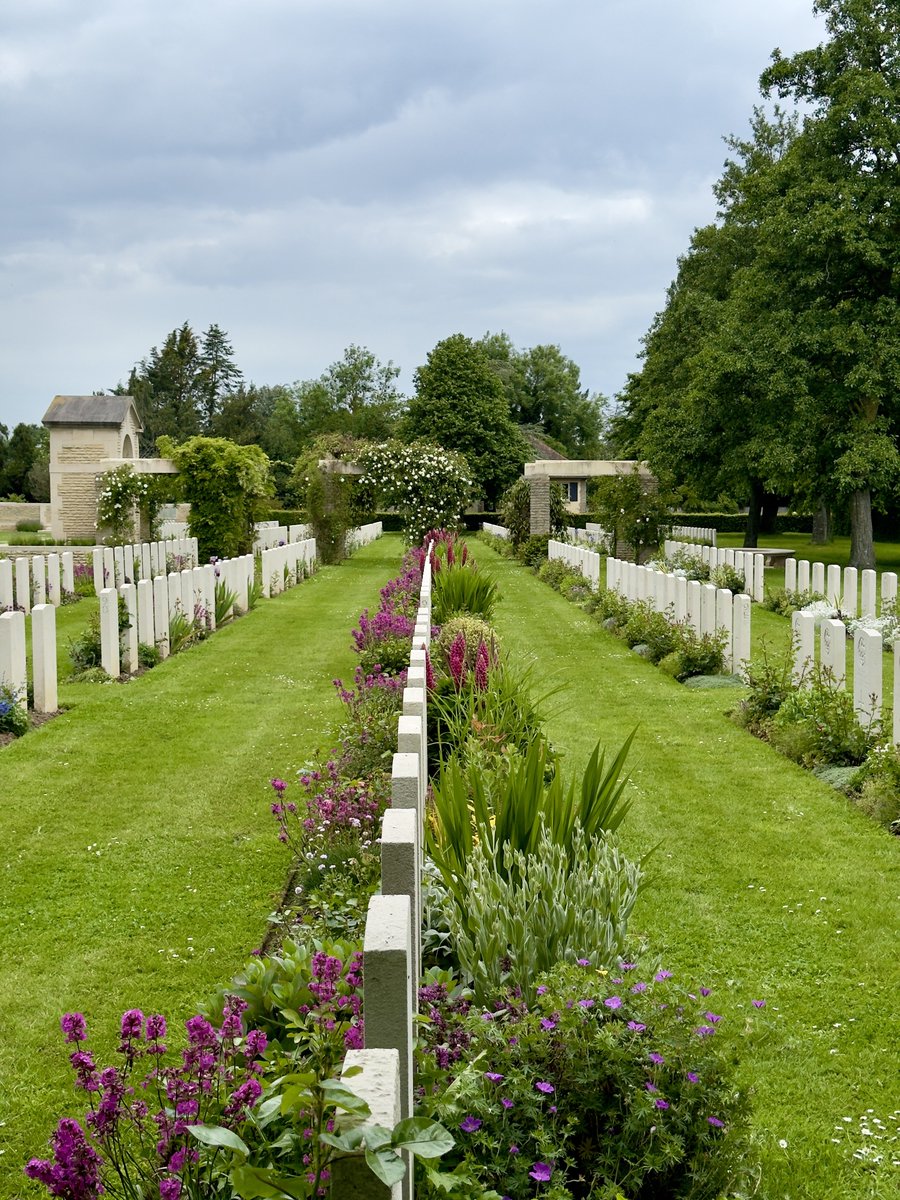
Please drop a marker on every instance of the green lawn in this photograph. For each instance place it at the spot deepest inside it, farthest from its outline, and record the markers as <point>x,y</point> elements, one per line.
<point>139,857</point>
<point>765,884</point>
<point>836,551</point>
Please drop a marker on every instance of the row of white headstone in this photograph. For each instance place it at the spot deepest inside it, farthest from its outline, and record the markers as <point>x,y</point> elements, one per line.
<point>748,563</point>
<point>694,533</point>
<point>578,557</point>
<point>40,580</point>
<point>363,535</point>
<point>704,607</point>
<point>13,662</point>
<point>498,531</point>
<point>115,565</point>
<point>283,566</point>
<point>269,535</point>
<point>392,942</point>
<point>868,664</point>
<point>853,592</point>
<point>592,534</point>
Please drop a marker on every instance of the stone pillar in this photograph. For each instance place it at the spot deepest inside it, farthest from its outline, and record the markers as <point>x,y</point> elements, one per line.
<point>43,658</point>
<point>867,676</point>
<point>406,786</point>
<point>539,513</point>
<point>374,1076</point>
<point>387,970</point>
<point>13,669</point>
<point>109,632</point>
<point>833,636</point>
<point>411,740</point>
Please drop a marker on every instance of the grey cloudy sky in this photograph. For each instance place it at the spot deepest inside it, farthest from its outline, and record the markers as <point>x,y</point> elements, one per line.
<point>311,173</point>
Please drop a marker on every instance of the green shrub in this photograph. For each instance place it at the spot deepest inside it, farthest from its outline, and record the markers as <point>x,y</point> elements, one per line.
<point>569,1082</point>
<point>462,588</point>
<point>507,922</point>
<point>474,629</point>
<point>647,627</point>
<point>148,656</point>
<point>879,795</point>
<point>561,576</point>
<point>785,603</point>
<point>770,682</point>
<point>533,551</point>
<point>225,598</point>
<point>817,724</point>
<point>13,717</point>
<point>28,526</point>
<point>725,576</point>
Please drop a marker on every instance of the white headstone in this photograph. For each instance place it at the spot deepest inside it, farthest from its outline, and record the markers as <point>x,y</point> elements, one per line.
<point>849,601</point>
<point>833,585</point>
<point>790,574</point>
<point>803,575</point>
<point>23,584</point>
<point>109,632</point>
<point>13,669</point>
<point>43,658</point>
<point>6,585</point>
<point>759,578</point>
<point>803,628</point>
<point>725,622</point>
<point>867,675</point>
<point>54,592</point>
<point>888,590</point>
<point>129,640</point>
<point>818,578</point>
<point>741,634</point>
<point>833,636</point>
<point>39,576</point>
<point>708,609</point>
<point>869,592</point>
<point>387,970</point>
<point>161,602</point>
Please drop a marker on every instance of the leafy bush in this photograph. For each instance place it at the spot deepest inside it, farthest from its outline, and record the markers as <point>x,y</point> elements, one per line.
<point>427,485</point>
<point>647,627</point>
<point>148,656</point>
<point>817,724</point>
<point>879,795</point>
<point>770,682</point>
<point>560,575</point>
<point>725,576</point>
<point>695,654</point>
<point>225,598</point>
<point>462,588</point>
<point>28,526</point>
<point>506,920</point>
<point>785,603</point>
<point>515,808</point>
<point>515,512</point>
<point>601,1087</point>
<point>533,551</point>
<point>474,630</point>
<point>13,716</point>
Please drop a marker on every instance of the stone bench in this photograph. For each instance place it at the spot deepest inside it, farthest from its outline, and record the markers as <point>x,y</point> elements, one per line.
<point>773,556</point>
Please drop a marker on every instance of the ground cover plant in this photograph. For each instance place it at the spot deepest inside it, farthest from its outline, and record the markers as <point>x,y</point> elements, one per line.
<point>767,885</point>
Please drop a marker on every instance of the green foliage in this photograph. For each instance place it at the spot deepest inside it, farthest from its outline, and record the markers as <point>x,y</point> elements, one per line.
<point>28,526</point>
<point>85,652</point>
<point>515,511</point>
<point>120,492</point>
<point>474,630</point>
<point>769,680</point>
<point>785,603</point>
<point>329,508</point>
<point>817,724</point>
<point>561,576</point>
<point>514,914</point>
<point>148,656</point>
<point>462,588</point>
<point>460,404</point>
<point>673,645</point>
<point>516,805</point>
<point>13,715</point>
<point>533,551</point>
<point>728,577</point>
<point>568,1082</point>
<point>225,485</point>
<point>427,485</point>
<point>225,599</point>
<point>879,794</point>
<point>632,511</point>
<point>356,397</point>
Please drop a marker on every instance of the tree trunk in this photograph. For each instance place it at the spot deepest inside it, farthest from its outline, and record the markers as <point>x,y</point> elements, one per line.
<point>862,544</point>
<point>821,530</point>
<point>769,512</point>
<point>751,535</point>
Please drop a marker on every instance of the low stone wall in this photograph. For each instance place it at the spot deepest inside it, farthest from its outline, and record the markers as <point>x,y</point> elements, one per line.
<point>11,513</point>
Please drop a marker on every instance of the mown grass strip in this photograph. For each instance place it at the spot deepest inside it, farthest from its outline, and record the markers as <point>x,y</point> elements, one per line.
<point>766,884</point>
<point>139,857</point>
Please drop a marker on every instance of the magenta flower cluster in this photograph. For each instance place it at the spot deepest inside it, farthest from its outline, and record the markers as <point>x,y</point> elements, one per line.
<point>216,1080</point>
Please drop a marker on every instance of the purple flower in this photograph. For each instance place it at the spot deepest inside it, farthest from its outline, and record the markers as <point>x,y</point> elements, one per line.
<point>514,1149</point>
<point>613,1002</point>
<point>132,1023</point>
<point>628,966</point>
<point>543,1086</point>
<point>656,1058</point>
<point>74,1027</point>
<point>506,1103</point>
<point>493,1076</point>
<point>256,1043</point>
<point>547,1024</point>
<point>705,991</point>
<point>636,1026</point>
<point>279,785</point>
<point>156,1027</point>
<point>469,1124</point>
<point>661,975</point>
<point>541,1171</point>
<point>661,1103</point>
<point>169,1189</point>
<point>639,987</point>
<point>757,1004</point>
<point>693,1077</point>
<point>705,1030</point>
<point>541,990</point>
<point>583,962</point>
<point>716,1123</point>
<point>714,1018</point>
<point>651,1087</point>
<point>590,1004</point>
